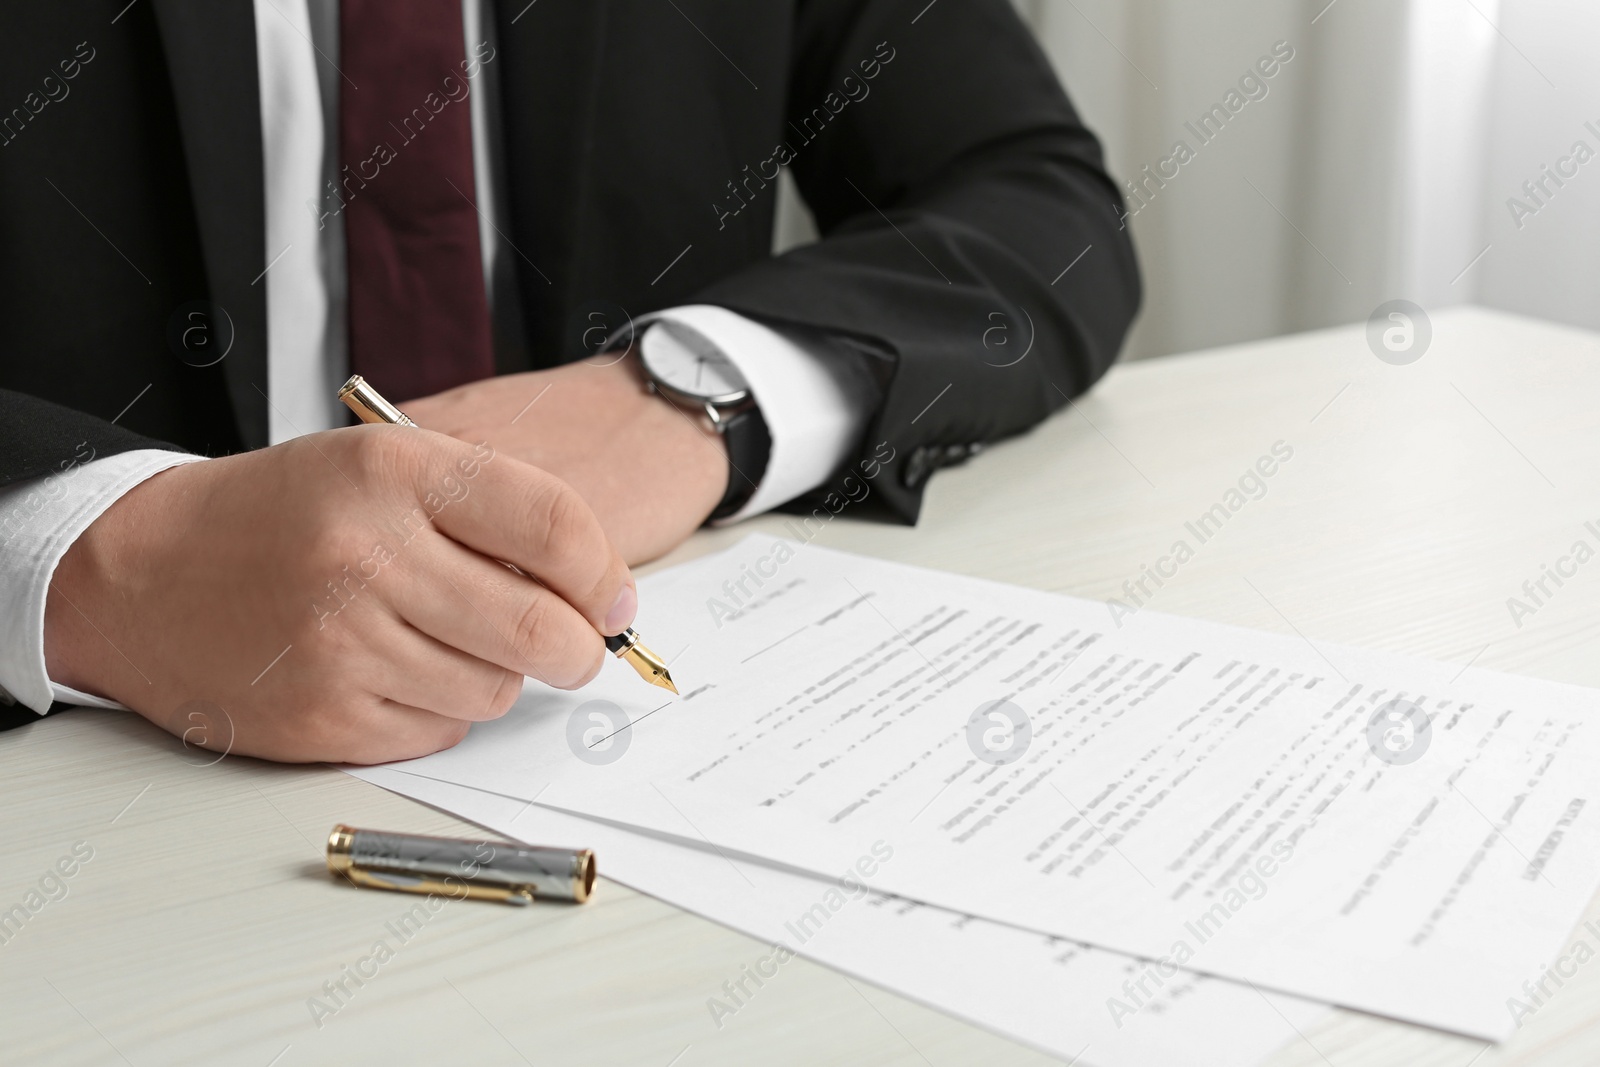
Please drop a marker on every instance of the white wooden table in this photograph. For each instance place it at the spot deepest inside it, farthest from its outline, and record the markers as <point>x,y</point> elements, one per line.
<point>1418,499</point>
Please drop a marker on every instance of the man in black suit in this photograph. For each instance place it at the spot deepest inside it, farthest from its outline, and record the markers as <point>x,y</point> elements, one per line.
<point>546,229</point>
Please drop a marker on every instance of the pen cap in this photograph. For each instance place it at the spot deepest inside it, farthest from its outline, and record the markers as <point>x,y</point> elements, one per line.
<point>559,873</point>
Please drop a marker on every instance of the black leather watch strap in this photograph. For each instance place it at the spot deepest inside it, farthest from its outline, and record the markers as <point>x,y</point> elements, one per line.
<point>749,445</point>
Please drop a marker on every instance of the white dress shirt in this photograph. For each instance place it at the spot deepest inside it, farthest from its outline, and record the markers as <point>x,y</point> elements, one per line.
<point>805,392</point>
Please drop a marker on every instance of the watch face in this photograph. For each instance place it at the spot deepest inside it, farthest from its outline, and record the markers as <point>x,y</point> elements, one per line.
<point>680,358</point>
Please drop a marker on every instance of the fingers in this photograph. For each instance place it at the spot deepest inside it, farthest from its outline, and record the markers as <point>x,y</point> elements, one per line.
<point>436,677</point>
<point>493,615</point>
<point>518,513</point>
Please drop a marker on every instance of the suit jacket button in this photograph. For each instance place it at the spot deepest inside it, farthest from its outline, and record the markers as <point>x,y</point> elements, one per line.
<point>918,466</point>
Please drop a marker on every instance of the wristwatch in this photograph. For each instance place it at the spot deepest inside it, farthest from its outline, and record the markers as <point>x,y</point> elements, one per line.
<point>689,372</point>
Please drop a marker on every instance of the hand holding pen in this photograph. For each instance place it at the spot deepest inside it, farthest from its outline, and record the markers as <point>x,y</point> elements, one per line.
<point>370,407</point>
<point>337,597</point>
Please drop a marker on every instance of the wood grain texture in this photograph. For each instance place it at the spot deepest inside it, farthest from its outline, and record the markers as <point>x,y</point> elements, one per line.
<point>1417,500</point>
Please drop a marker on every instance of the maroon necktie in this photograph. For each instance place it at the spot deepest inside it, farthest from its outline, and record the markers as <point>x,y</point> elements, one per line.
<point>418,312</point>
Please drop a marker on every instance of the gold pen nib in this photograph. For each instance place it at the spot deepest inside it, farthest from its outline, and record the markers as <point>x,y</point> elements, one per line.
<point>651,667</point>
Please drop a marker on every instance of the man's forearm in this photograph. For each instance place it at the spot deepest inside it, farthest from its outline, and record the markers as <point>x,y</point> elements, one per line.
<point>40,519</point>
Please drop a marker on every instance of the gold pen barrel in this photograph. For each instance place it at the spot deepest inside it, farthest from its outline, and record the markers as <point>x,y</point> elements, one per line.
<point>369,405</point>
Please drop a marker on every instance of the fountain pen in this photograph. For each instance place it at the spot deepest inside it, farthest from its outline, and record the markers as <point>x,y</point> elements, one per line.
<point>363,399</point>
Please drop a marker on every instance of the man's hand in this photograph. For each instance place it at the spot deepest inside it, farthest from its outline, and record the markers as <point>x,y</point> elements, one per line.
<point>337,597</point>
<point>651,472</point>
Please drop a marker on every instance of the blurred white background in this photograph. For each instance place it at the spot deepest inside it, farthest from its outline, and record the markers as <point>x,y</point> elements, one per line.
<point>1379,164</point>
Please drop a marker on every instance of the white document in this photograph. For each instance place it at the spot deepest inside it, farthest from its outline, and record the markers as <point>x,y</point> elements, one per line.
<point>1230,801</point>
<point>1042,991</point>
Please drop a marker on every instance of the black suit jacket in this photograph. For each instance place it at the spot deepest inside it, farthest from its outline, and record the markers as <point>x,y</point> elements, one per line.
<point>950,177</point>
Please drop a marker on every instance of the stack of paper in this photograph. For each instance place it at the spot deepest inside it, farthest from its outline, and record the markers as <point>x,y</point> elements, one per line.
<point>1345,826</point>
<point>1079,1003</point>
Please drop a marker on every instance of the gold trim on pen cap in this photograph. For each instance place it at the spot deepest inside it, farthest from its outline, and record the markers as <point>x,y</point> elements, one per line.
<point>340,841</point>
<point>583,876</point>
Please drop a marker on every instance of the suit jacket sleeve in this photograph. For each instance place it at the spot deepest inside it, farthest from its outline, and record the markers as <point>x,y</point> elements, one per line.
<point>38,437</point>
<point>953,183</point>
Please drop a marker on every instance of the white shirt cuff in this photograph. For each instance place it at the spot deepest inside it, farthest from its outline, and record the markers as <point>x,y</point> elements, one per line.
<point>39,520</point>
<point>809,392</point>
